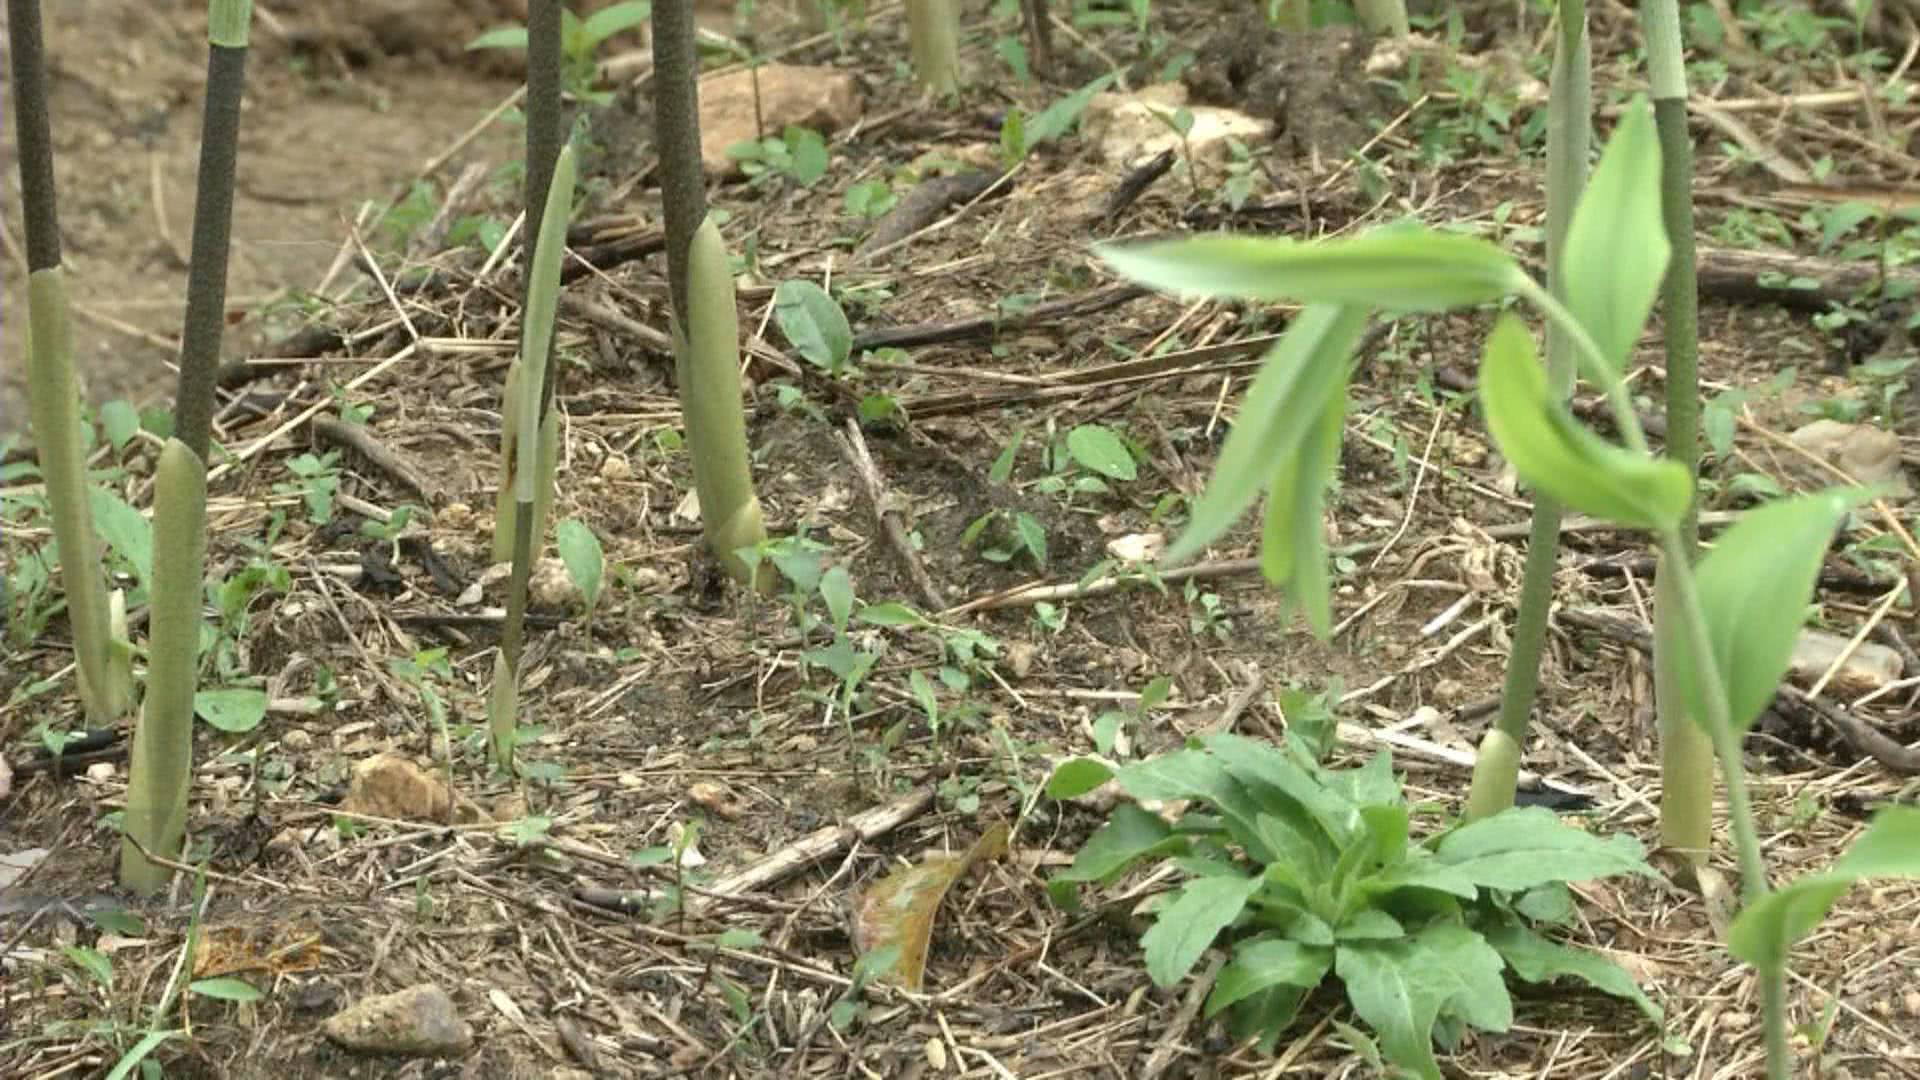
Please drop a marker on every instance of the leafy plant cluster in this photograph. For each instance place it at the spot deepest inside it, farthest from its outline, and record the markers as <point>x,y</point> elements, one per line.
<point>1303,871</point>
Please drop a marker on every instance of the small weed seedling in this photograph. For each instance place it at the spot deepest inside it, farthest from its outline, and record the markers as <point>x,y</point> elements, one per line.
<point>580,41</point>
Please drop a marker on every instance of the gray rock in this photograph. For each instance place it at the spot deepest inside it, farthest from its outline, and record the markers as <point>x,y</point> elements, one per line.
<point>420,1021</point>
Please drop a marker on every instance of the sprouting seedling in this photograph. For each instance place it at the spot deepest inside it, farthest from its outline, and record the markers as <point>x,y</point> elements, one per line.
<point>585,561</point>
<point>536,337</point>
<point>706,320</point>
<point>53,400</point>
<point>161,766</point>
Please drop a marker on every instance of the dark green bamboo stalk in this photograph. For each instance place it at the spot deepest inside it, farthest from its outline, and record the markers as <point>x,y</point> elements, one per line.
<point>161,768</point>
<point>705,317</point>
<point>34,133</point>
<point>53,399</point>
<point>212,223</point>
<point>1569,135</point>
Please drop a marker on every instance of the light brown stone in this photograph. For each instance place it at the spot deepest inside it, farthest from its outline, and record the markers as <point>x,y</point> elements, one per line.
<point>825,99</point>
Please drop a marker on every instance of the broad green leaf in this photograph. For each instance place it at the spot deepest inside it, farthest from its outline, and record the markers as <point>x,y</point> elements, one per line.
<point>1369,924</point>
<point>1767,928</point>
<point>1616,252</point>
<point>503,37</point>
<point>1558,457</point>
<point>1401,987</point>
<point>1282,410</point>
<point>899,909</point>
<point>809,154</point>
<point>1753,630</point>
<point>1077,776</point>
<point>1183,929</point>
<point>580,550</point>
<point>126,530</point>
<point>1195,774</point>
<point>1420,871</point>
<point>1130,834</point>
<point>1525,847</point>
<point>1096,447</point>
<point>226,989</point>
<point>1256,763</point>
<point>234,710</point>
<point>1293,544</point>
<point>1260,965</point>
<point>614,18</point>
<point>1401,269</point>
<point>836,588</point>
<point>813,323</point>
<point>119,422</point>
<point>1537,959</point>
<point>1267,1015</point>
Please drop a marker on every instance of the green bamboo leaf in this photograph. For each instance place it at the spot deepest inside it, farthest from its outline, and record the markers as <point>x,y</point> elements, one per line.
<point>1617,250</point>
<point>1403,268</point>
<point>1557,456</point>
<point>614,18</point>
<point>501,37</point>
<point>1184,928</point>
<point>1767,928</point>
<point>226,989</point>
<point>1753,630</point>
<point>1293,545</point>
<point>1282,409</point>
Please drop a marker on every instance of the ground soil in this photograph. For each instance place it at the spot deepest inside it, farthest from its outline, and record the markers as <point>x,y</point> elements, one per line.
<point>681,699</point>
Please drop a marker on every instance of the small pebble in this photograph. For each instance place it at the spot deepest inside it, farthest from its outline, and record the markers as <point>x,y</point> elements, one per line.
<point>297,739</point>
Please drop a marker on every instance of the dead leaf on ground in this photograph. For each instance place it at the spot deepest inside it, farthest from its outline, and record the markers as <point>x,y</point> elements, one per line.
<point>899,909</point>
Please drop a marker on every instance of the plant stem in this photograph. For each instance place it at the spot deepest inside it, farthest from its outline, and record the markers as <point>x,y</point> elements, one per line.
<point>1569,135</point>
